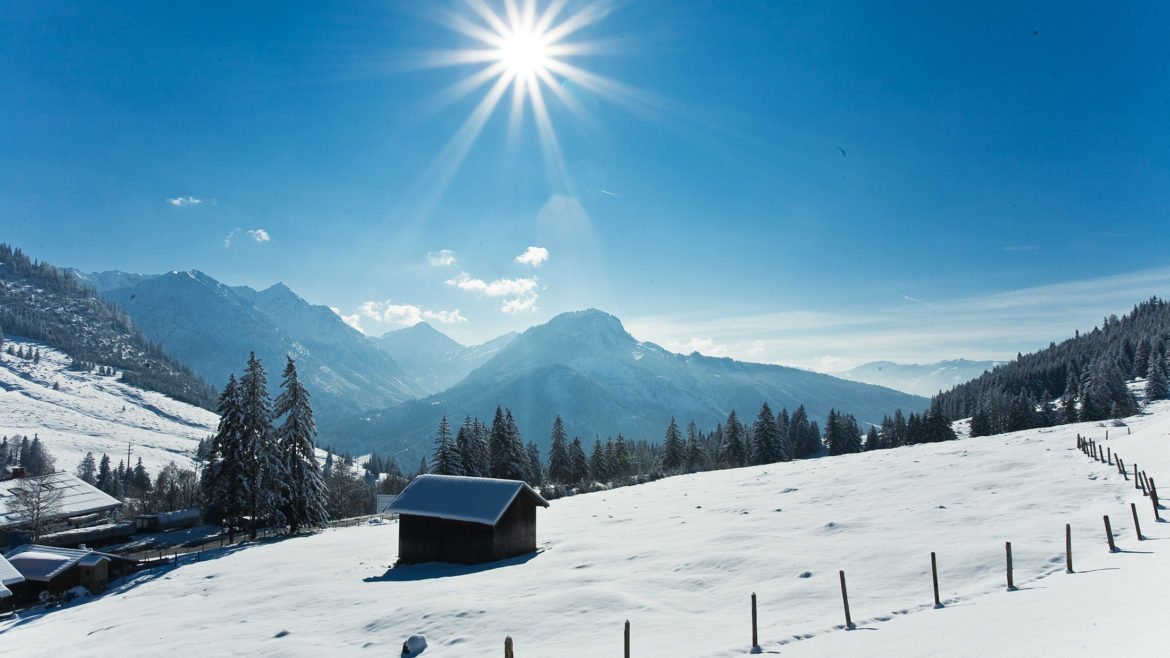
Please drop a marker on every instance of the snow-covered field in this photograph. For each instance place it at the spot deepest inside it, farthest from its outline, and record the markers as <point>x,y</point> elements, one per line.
<point>680,557</point>
<point>97,413</point>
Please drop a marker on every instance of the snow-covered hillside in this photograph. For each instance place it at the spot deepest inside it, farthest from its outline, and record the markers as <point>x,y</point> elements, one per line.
<point>91,412</point>
<point>680,557</point>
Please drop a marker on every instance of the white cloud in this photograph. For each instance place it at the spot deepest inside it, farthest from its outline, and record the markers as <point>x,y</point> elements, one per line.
<point>441,258</point>
<point>407,314</point>
<point>259,235</point>
<point>987,327</point>
<point>704,346</point>
<point>180,201</point>
<point>521,292</point>
<point>533,256</point>
<point>352,320</point>
<point>497,288</point>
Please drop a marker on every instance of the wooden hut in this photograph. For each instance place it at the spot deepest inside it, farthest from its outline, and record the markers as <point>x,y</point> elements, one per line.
<point>467,520</point>
<point>54,570</point>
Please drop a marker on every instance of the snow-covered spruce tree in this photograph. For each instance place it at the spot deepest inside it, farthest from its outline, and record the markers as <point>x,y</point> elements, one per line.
<point>734,450</point>
<point>87,469</point>
<point>673,456</point>
<point>225,481</point>
<point>599,469</point>
<point>696,456</point>
<point>473,448</point>
<point>535,468</point>
<point>1157,386</point>
<point>263,464</point>
<point>446,460</point>
<point>304,505</point>
<point>509,461</point>
<point>579,461</point>
<point>560,468</point>
<point>767,444</point>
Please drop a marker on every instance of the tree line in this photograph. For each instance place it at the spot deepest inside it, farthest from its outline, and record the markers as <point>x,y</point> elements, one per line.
<point>1081,379</point>
<point>499,451</point>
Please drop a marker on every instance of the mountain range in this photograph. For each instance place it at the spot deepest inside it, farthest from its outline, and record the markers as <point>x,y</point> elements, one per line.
<point>435,359</point>
<point>586,368</point>
<point>389,393</point>
<point>213,327</point>
<point>919,379</point>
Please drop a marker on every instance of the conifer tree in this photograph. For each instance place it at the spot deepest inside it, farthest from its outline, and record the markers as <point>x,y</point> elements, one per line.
<point>105,477</point>
<point>767,447</point>
<point>696,457</point>
<point>304,504</point>
<point>225,481</point>
<point>87,469</point>
<point>598,467</point>
<point>508,458</point>
<point>1157,386</point>
<point>473,448</point>
<point>734,450</point>
<point>560,466</point>
<point>578,460</point>
<point>446,459</point>
<point>262,455</point>
<point>535,470</point>
<point>673,456</point>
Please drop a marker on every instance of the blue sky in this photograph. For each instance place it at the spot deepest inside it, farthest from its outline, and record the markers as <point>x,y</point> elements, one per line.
<point>815,184</point>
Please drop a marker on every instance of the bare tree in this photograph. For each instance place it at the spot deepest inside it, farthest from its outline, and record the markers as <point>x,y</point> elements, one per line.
<point>37,502</point>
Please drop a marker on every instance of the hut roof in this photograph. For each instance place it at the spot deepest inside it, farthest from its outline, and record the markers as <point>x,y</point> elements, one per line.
<point>8,574</point>
<point>44,563</point>
<point>77,497</point>
<point>460,498</point>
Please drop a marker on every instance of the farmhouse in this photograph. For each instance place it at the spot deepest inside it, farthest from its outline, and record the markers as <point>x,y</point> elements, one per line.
<point>55,570</point>
<point>467,520</point>
<point>71,498</point>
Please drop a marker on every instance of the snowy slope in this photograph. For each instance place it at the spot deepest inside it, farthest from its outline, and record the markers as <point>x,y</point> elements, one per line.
<point>919,379</point>
<point>95,413</point>
<point>680,557</point>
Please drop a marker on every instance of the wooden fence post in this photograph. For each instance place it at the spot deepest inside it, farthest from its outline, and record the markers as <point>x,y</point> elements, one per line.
<point>627,638</point>
<point>1121,469</point>
<point>508,647</point>
<point>934,578</point>
<point>1068,548</point>
<point>845,600</point>
<point>1137,526</point>
<point>1008,550</point>
<point>1136,484</point>
<point>755,635</point>
<point>1109,535</point>
<point>1109,455</point>
<point>1142,481</point>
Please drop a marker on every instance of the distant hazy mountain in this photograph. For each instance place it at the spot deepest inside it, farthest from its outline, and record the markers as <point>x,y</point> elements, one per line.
<point>926,379</point>
<point>435,359</point>
<point>212,327</point>
<point>585,367</point>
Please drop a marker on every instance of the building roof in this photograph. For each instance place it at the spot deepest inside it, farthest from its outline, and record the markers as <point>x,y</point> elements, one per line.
<point>44,563</point>
<point>460,498</point>
<point>77,497</point>
<point>8,574</point>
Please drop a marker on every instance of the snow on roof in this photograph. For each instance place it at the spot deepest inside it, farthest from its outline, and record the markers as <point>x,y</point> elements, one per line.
<point>460,498</point>
<point>77,497</point>
<point>44,563</point>
<point>8,574</point>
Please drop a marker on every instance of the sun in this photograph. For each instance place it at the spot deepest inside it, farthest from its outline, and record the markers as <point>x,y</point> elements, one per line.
<point>523,52</point>
<point>522,49</point>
